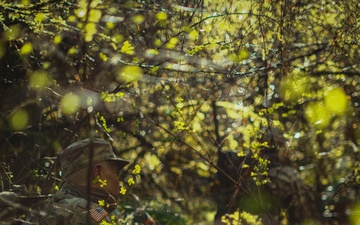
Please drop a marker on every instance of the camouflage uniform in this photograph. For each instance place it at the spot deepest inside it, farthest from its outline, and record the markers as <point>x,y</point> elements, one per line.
<point>70,204</point>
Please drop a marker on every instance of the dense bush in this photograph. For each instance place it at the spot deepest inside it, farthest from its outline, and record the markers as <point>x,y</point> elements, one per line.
<point>227,106</point>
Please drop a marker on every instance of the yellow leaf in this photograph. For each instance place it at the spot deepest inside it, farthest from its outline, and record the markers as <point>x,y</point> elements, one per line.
<point>110,25</point>
<point>90,30</point>
<point>26,49</point>
<point>81,13</point>
<point>57,39</point>
<point>117,38</point>
<point>137,169</point>
<point>112,97</point>
<point>161,16</point>
<point>336,101</point>
<point>127,48</point>
<point>46,65</point>
<point>95,3</point>
<point>176,170</point>
<point>153,161</point>
<point>233,144</point>
<point>73,50</point>
<point>71,18</point>
<point>355,216</point>
<point>129,74</point>
<point>122,190</point>
<point>317,115</point>
<point>172,43</point>
<point>138,19</point>
<point>94,15</point>
<point>39,17</point>
<point>25,2</point>
<point>243,54</point>
<point>82,9</point>
<point>70,104</point>
<point>38,80</point>
<point>196,126</point>
<point>103,57</point>
<point>193,35</point>
<point>294,87</point>
<point>151,52</point>
<point>19,119</point>
<point>131,181</point>
<point>157,42</point>
<point>101,202</point>
<point>12,33</point>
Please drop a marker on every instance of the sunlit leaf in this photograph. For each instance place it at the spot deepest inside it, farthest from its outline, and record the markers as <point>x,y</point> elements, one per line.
<point>193,35</point>
<point>46,65</point>
<point>112,97</point>
<point>57,39</point>
<point>71,18</point>
<point>157,42</point>
<point>110,25</point>
<point>39,80</point>
<point>131,181</point>
<point>90,30</point>
<point>127,48</point>
<point>26,49</point>
<point>151,52</point>
<point>19,119</point>
<point>82,9</point>
<point>175,170</point>
<point>317,115</point>
<point>161,16</point>
<point>25,2</point>
<point>137,169</point>
<point>233,144</point>
<point>12,33</point>
<point>95,3</point>
<point>172,43</point>
<point>152,161</point>
<point>122,190</point>
<point>70,104</point>
<point>336,101</point>
<point>138,19</point>
<point>243,54</point>
<point>103,57</point>
<point>196,126</point>
<point>293,88</point>
<point>39,17</point>
<point>81,12</point>
<point>94,15</point>
<point>355,215</point>
<point>73,50</point>
<point>129,74</point>
<point>118,38</point>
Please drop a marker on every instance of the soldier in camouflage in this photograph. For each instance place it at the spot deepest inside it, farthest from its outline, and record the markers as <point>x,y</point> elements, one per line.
<point>91,189</point>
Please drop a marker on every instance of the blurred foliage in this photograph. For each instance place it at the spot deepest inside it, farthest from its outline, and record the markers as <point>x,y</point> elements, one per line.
<point>198,93</point>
